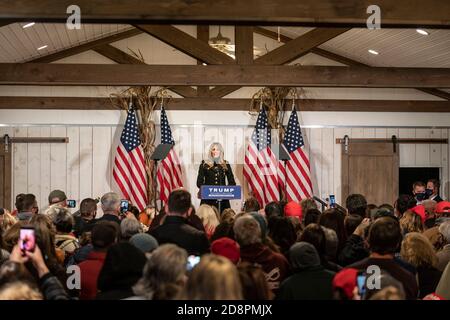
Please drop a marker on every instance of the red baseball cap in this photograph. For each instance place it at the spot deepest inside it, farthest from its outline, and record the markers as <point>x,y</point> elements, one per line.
<point>442,207</point>
<point>293,209</point>
<point>420,210</point>
<point>227,248</point>
<point>346,281</point>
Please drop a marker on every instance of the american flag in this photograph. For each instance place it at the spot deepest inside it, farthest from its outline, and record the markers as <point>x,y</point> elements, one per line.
<point>260,167</point>
<point>297,175</point>
<point>169,170</point>
<point>129,164</point>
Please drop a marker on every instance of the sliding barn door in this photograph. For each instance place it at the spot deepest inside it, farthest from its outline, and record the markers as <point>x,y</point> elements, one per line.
<point>5,177</point>
<point>370,169</point>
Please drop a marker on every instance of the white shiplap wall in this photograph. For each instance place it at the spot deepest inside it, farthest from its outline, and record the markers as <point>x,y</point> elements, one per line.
<point>83,167</point>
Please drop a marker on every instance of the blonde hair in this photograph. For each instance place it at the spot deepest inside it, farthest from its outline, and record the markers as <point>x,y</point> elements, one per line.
<point>418,250</point>
<point>214,278</point>
<point>209,159</point>
<point>208,216</point>
<point>19,291</point>
<point>8,221</point>
<point>411,222</point>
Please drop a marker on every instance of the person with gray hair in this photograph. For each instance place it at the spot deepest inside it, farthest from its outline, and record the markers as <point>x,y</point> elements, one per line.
<point>444,254</point>
<point>164,274</point>
<point>111,207</point>
<point>247,232</point>
<point>129,227</point>
<point>64,222</point>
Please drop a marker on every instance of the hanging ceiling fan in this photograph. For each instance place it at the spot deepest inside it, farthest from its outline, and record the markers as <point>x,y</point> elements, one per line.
<point>224,45</point>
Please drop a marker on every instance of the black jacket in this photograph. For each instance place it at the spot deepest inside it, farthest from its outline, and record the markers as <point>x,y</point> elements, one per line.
<point>176,230</point>
<point>353,251</point>
<point>314,283</point>
<point>215,175</point>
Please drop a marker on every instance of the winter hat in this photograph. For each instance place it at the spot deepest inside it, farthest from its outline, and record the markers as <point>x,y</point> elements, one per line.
<point>56,196</point>
<point>293,209</point>
<point>144,242</point>
<point>303,255</point>
<point>420,210</point>
<point>262,223</point>
<point>122,267</point>
<point>345,280</point>
<point>227,248</point>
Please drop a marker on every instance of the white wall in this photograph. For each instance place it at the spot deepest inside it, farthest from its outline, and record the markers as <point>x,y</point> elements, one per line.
<point>83,167</point>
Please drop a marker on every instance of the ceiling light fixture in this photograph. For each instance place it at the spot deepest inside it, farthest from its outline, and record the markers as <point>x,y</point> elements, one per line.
<point>43,47</point>
<point>224,45</point>
<point>373,52</point>
<point>422,32</point>
<point>29,25</point>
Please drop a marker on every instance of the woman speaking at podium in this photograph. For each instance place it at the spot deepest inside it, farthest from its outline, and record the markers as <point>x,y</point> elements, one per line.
<point>215,171</point>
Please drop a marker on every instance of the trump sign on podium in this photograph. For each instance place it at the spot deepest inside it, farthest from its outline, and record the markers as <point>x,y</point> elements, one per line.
<point>220,192</point>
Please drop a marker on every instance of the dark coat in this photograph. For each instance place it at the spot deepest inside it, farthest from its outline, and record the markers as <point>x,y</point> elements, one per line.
<point>428,280</point>
<point>395,270</point>
<point>121,270</point>
<point>314,283</point>
<point>275,265</point>
<point>176,229</point>
<point>216,175</point>
<point>353,251</point>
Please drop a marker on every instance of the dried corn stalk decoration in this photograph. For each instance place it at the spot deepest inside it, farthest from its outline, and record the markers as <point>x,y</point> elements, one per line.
<point>276,101</point>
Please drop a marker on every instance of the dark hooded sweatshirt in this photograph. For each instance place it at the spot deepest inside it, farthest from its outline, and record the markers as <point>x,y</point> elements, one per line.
<point>275,265</point>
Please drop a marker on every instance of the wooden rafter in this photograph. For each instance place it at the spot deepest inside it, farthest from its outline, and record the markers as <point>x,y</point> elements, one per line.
<point>87,46</point>
<point>211,75</point>
<point>342,59</point>
<point>288,52</point>
<point>202,35</point>
<point>83,103</point>
<point>395,13</point>
<point>121,57</point>
<point>191,46</point>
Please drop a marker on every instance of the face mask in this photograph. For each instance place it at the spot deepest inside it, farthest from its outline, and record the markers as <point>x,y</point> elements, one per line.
<point>420,196</point>
<point>428,192</point>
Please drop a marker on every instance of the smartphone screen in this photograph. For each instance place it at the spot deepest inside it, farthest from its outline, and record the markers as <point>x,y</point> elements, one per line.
<point>124,206</point>
<point>27,239</point>
<point>332,201</point>
<point>361,285</point>
<point>192,261</point>
<point>71,203</point>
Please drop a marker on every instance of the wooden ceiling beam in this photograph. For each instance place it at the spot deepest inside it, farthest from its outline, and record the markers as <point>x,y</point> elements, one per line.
<point>202,35</point>
<point>288,52</point>
<point>394,13</point>
<point>341,59</point>
<point>86,46</point>
<point>84,103</point>
<point>121,57</point>
<point>218,75</point>
<point>187,44</point>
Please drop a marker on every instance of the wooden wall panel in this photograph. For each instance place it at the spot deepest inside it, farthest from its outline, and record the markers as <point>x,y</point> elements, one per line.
<point>20,162</point>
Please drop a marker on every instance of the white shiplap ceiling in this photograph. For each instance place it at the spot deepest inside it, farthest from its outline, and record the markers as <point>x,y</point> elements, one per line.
<point>396,47</point>
<point>18,44</point>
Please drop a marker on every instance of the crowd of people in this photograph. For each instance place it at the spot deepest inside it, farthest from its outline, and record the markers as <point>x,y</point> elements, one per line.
<point>285,250</point>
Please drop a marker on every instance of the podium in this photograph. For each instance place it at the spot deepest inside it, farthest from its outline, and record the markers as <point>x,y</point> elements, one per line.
<point>220,193</point>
